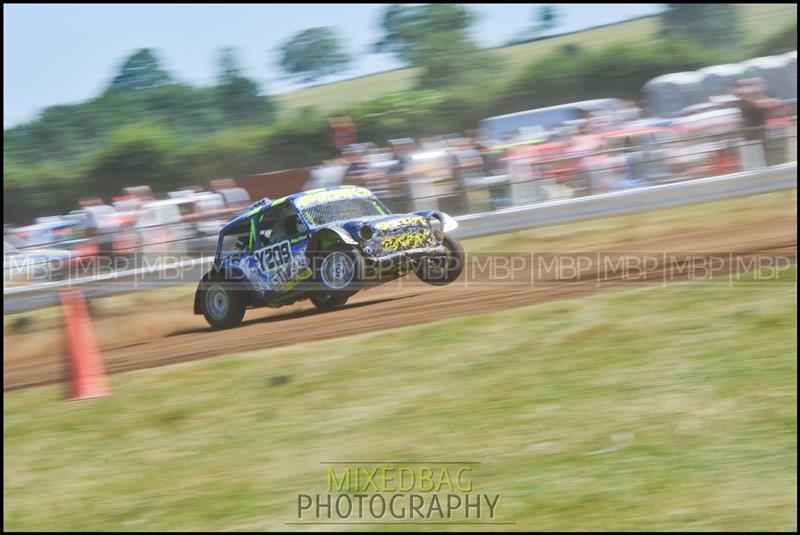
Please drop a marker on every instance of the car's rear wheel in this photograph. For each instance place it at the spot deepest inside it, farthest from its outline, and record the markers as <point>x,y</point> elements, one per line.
<point>442,269</point>
<point>222,303</point>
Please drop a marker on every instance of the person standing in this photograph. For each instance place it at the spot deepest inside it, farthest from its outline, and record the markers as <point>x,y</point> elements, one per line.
<point>753,106</point>
<point>357,166</point>
<point>398,175</point>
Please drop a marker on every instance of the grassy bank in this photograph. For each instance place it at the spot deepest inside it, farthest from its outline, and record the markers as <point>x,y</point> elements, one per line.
<point>665,408</point>
<point>759,22</point>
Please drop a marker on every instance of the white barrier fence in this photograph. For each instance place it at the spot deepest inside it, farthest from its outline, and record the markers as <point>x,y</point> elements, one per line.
<point>629,201</point>
<point>784,176</point>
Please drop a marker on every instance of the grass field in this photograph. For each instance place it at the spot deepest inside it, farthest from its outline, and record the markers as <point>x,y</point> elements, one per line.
<point>759,21</point>
<point>586,235</point>
<point>667,408</point>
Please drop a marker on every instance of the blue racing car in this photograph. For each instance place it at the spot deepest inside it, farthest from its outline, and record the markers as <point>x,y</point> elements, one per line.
<point>324,245</point>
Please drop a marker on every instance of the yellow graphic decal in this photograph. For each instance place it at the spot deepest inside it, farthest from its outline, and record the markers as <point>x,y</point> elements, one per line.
<point>404,222</point>
<point>303,274</point>
<point>409,240</point>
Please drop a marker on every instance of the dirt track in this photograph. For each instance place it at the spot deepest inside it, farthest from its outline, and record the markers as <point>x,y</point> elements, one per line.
<point>173,334</point>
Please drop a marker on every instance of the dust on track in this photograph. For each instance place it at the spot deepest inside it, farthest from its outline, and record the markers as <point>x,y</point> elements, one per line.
<point>152,338</point>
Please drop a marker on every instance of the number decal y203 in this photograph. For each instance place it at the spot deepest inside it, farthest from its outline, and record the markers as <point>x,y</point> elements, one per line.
<point>273,256</point>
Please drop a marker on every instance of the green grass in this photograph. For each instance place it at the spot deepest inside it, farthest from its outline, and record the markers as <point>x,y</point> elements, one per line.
<point>666,408</point>
<point>340,95</point>
<point>759,21</point>
<point>594,233</point>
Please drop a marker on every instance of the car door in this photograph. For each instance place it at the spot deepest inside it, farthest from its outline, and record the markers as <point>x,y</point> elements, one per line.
<point>281,258</point>
<point>257,252</point>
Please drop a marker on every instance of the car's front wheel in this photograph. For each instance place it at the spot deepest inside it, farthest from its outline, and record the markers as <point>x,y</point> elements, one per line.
<point>442,269</point>
<point>337,272</point>
<point>222,303</point>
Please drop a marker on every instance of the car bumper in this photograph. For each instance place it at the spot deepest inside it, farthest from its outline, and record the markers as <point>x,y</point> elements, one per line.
<point>407,254</point>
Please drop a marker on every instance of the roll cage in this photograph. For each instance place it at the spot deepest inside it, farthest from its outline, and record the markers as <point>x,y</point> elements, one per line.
<point>264,224</point>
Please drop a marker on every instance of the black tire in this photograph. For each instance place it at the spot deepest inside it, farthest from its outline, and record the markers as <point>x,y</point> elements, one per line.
<point>442,270</point>
<point>328,286</point>
<point>222,303</point>
<point>325,301</point>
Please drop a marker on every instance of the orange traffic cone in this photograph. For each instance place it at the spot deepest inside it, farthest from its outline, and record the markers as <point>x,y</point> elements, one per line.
<point>86,373</point>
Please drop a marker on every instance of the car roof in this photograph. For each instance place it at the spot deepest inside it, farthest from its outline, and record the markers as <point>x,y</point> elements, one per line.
<point>305,198</point>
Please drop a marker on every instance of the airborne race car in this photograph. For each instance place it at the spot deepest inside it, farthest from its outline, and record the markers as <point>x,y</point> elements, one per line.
<point>324,245</point>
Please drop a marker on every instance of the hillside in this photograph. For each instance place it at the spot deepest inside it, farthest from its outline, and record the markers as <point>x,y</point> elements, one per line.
<point>759,20</point>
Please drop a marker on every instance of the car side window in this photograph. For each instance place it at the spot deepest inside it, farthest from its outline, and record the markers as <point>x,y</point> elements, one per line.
<point>265,228</point>
<point>288,225</point>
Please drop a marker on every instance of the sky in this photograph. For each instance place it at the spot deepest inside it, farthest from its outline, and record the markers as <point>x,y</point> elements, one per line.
<point>60,54</point>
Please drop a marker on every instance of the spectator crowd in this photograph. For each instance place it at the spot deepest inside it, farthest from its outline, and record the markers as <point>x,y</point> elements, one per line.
<point>596,153</point>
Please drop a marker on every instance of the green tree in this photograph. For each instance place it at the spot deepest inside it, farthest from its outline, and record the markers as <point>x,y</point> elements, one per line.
<point>548,17</point>
<point>618,71</point>
<point>450,59</point>
<point>407,29</point>
<point>313,54</point>
<point>232,152</point>
<point>134,155</point>
<point>239,97</point>
<point>44,188</point>
<point>185,110</point>
<point>711,25</point>
<point>436,38</point>
<point>140,72</point>
<point>228,65</point>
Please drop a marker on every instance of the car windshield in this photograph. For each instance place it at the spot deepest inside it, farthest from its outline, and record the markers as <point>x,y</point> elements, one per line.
<point>342,210</point>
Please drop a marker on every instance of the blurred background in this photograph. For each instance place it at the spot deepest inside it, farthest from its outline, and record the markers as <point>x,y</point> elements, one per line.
<point>555,108</point>
<point>656,390</point>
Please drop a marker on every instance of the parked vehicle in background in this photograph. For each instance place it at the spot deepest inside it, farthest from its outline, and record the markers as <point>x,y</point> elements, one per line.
<point>98,218</point>
<point>108,229</point>
<point>187,222</point>
<point>430,177</point>
<point>162,228</point>
<point>235,198</point>
<point>707,144</point>
<point>552,168</point>
<point>49,230</point>
<point>715,103</point>
<point>209,215</point>
<point>645,152</point>
<point>503,127</point>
